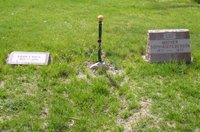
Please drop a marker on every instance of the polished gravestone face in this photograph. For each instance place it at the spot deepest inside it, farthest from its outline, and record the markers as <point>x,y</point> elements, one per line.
<point>25,58</point>
<point>168,45</point>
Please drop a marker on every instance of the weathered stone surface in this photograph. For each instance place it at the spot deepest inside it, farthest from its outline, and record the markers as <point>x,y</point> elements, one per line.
<point>168,45</point>
<point>26,58</point>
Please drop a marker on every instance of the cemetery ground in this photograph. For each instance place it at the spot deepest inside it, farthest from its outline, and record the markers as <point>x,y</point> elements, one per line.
<point>67,96</point>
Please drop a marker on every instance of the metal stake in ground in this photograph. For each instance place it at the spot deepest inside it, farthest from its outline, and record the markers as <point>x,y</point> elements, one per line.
<point>180,70</point>
<point>100,63</point>
<point>100,18</point>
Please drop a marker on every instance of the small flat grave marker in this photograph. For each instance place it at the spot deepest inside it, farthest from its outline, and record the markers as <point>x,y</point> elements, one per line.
<point>27,58</point>
<point>168,45</point>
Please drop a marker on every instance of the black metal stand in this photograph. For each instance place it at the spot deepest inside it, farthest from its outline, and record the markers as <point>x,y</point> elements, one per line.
<point>100,63</point>
<point>99,41</point>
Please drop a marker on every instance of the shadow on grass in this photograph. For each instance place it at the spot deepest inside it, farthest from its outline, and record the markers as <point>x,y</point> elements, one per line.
<point>104,72</point>
<point>112,81</point>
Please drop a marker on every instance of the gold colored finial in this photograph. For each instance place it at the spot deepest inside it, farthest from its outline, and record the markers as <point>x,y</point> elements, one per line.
<point>100,18</point>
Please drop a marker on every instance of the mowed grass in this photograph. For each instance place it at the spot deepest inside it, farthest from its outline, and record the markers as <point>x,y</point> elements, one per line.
<point>66,96</point>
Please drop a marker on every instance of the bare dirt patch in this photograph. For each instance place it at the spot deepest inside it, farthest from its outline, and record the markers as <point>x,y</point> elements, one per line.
<point>108,67</point>
<point>44,114</point>
<point>1,83</point>
<point>6,117</point>
<point>135,118</point>
<point>114,71</point>
<point>125,80</point>
<point>83,76</point>
<point>30,89</point>
<point>71,123</point>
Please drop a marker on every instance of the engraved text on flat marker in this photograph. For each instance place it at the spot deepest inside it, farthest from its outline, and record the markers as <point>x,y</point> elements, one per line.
<point>25,58</point>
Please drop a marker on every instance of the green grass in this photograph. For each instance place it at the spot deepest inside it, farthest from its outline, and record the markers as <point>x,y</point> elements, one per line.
<point>56,98</point>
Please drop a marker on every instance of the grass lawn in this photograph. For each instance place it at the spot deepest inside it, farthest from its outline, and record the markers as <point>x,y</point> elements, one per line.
<point>67,96</point>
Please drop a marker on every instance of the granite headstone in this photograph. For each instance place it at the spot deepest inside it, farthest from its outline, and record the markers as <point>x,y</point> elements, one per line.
<point>168,45</point>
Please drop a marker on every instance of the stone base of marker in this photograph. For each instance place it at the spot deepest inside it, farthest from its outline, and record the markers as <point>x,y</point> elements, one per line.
<point>168,45</point>
<point>98,64</point>
<point>186,57</point>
